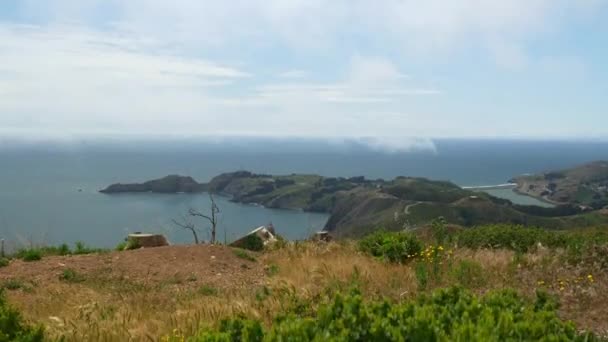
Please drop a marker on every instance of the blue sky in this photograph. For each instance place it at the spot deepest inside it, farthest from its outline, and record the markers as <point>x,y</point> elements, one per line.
<point>388,69</point>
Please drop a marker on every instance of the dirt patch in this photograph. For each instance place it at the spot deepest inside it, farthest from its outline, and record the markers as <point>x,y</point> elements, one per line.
<point>194,264</point>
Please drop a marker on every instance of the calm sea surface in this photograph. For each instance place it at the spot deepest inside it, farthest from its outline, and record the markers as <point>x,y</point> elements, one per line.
<point>49,192</point>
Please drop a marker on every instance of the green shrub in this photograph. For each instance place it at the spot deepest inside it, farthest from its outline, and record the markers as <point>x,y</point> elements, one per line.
<point>81,248</point>
<point>4,262</point>
<point>242,254</point>
<point>447,315</point>
<point>71,276</point>
<point>250,242</point>
<point>63,249</point>
<point>391,246</point>
<point>12,327</point>
<point>439,230</point>
<point>468,273</point>
<point>272,270</point>
<point>517,238</point>
<point>127,245</point>
<point>13,284</point>
<point>422,275</point>
<point>522,239</point>
<point>31,254</point>
<point>121,246</point>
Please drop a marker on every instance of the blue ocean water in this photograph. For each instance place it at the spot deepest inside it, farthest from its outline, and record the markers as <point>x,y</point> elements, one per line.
<point>49,192</point>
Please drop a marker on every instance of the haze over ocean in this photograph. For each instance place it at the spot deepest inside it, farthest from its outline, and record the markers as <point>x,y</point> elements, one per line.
<point>41,201</point>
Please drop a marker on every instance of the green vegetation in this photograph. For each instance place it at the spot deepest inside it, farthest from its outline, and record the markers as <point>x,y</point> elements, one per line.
<point>13,284</point>
<point>62,249</point>
<point>250,242</point>
<point>389,246</point>
<point>439,230</point>
<point>127,245</point>
<point>80,248</point>
<point>31,254</point>
<point>301,291</point>
<point>424,190</point>
<point>448,315</point>
<point>207,290</point>
<point>272,270</point>
<point>37,253</point>
<point>422,275</point>
<point>358,205</point>
<point>4,262</point>
<point>522,239</point>
<point>585,184</point>
<point>70,276</point>
<point>469,273</point>
<point>242,254</point>
<point>12,327</point>
<point>121,246</point>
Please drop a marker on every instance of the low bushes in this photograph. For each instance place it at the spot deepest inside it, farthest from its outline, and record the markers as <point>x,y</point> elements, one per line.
<point>69,275</point>
<point>250,242</point>
<point>37,253</point>
<point>12,327</point>
<point>391,246</point>
<point>522,239</point>
<point>127,245</point>
<point>32,254</point>
<point>447,315</point>
<point>81,248</point>
<point>242,254</point>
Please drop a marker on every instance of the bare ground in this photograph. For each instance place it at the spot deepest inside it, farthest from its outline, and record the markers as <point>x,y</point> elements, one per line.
<point>200,264</point>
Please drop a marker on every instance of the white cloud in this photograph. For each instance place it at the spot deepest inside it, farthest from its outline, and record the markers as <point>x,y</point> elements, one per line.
<point>430,26</point>
<point>368,80</point>
<point>65,79</point>
<point>294,74</point>
<point>151,66</point>
<point>508,55</point>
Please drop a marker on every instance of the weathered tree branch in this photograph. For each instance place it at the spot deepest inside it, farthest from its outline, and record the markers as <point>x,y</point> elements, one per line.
<point>187,225</point>
<point>215,210</point>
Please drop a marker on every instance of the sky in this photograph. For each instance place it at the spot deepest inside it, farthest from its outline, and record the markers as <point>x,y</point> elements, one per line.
<point>389,70</point>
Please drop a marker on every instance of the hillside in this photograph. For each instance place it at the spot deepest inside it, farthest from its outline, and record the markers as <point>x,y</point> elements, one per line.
<point>357,205</point>
<point>582,185</point>
<point>177,292</point>
<point>168,184</point>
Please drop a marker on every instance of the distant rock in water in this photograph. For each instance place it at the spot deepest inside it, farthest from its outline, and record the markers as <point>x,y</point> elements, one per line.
<point>170,184</point>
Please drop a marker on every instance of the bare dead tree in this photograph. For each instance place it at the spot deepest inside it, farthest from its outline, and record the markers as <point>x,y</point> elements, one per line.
<point>187,224</point>
<point>212,218</point>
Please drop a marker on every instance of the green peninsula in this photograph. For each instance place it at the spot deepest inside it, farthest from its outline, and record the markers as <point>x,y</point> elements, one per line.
<point>358,205</point>
<point>585,185</point>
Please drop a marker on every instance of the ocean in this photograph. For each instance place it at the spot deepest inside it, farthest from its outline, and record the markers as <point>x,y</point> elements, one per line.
<point>49,191</point>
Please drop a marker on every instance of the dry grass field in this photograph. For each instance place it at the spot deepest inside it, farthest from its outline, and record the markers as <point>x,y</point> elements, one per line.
<point>153,293</point>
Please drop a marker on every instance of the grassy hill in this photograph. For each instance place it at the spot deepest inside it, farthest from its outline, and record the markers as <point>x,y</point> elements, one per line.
<point>582,185</point>
<point>357,205</point>
<point>206,293</point>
